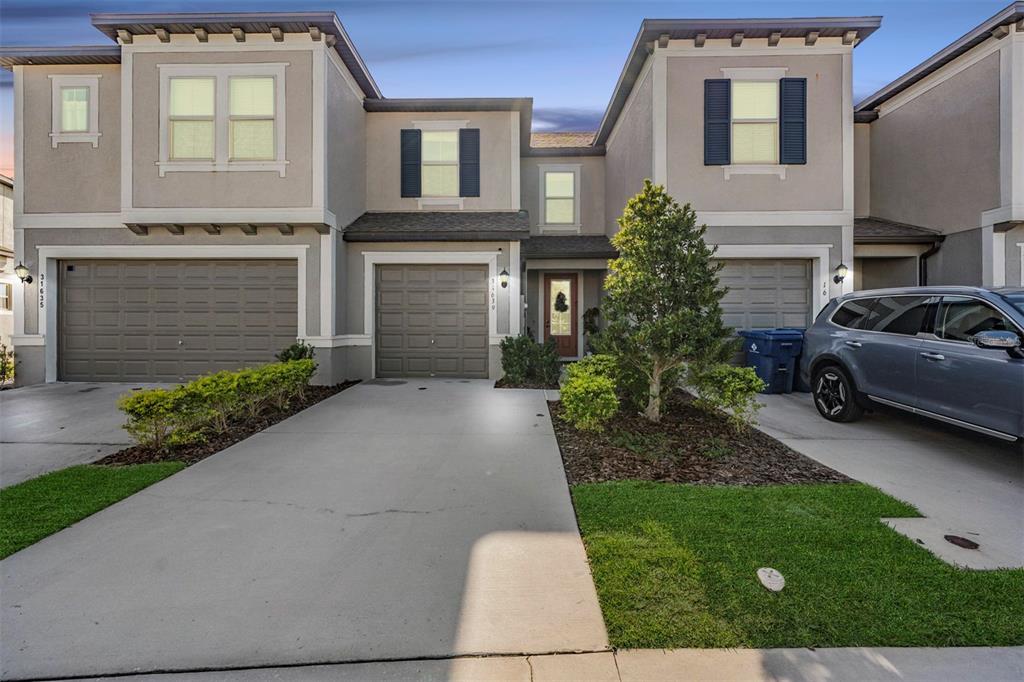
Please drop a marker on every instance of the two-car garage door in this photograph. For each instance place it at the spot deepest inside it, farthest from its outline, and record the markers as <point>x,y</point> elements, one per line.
<point>168,320</point>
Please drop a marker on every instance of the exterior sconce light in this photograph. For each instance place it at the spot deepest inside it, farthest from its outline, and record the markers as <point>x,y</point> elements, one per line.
<point>503,278</point>
<point>22,272</point>
<point>841,272</point>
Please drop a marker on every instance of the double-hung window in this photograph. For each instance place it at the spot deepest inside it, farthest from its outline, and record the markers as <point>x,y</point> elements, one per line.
<point>440,163</point>
<point>222,117</point>
<point>755,122</point>
<point>559,186</point>
<point>75,103</point>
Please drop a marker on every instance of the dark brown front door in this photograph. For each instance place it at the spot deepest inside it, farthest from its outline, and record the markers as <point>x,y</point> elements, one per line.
<point>560,318</point>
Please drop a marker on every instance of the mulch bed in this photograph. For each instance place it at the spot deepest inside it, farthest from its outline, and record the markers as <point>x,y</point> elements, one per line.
<point>240,430</point>
<point>504,383</point>
<point>688,446</point>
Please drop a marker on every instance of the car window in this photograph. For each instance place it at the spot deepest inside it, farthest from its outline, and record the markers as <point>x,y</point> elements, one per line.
<point>898,314</point>
<point>853,313</point>
<point>961,318</point>
<point>1015,299</point>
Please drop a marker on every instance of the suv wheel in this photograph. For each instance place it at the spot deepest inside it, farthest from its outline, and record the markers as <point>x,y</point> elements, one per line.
<point>834,395</point>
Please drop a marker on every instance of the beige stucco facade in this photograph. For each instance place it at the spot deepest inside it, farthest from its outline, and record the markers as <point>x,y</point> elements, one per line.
<point>630,151</point>
<point>590,192</point>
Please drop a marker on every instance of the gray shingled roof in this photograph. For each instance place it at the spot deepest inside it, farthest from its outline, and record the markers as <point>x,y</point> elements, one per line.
<point>881,231</point>
<point>570,246</point>
<point>418,226</point>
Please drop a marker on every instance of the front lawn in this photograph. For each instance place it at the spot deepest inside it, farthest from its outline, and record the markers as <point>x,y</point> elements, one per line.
<point>31,510</point>
<point>674,566</point>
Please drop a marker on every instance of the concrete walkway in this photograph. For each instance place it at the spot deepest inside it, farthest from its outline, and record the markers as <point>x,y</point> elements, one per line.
<point>964,483</point>
<point>426,519</point>
<point>51,426</point>
<point>640,665</point>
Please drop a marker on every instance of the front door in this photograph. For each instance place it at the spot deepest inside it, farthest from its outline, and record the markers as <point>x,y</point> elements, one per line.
<point>560,318</point>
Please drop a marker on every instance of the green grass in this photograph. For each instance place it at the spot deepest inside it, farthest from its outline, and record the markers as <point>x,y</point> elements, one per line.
<point>31,510</point>
<point>674,566</point>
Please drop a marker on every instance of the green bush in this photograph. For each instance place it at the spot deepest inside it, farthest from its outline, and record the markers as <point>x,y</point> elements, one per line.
<point>300,350</point>
<point>6,364</point>
<point>730,390</point>
<point>601,365</point>
<point>164,418</point>
<point>588,398</point>
<point>523,360</point>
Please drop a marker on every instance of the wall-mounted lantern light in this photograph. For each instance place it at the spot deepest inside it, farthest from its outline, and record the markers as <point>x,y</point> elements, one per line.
<point>503,278</point>
<point>22,272</point>
<point>841,272</point>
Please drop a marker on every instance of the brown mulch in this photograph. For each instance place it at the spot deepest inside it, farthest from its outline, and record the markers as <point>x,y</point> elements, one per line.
<point>504,383</point>
<point>214,443</point>
<point>688,446</point>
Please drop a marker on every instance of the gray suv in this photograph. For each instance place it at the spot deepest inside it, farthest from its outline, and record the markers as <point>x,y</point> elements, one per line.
<point>950,353</point>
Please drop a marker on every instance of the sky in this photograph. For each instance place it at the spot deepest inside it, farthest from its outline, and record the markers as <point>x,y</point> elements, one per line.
<point>566,54</point>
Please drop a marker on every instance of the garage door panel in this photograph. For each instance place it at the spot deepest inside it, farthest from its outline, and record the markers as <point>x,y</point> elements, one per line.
<point>766,293</point>
<point>438,324</point>
<point>169,320</point>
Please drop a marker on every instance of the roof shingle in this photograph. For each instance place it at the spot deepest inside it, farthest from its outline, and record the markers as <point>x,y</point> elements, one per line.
<point>569,246</point>
<point>402,226</point>
<point>879,230</point>
<point>561,140</point>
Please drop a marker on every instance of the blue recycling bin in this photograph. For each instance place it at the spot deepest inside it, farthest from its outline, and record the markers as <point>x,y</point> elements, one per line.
<point>774,353</point>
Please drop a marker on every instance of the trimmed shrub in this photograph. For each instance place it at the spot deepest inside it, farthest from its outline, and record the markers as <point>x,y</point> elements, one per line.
<point>163,418</point>
<point>300,350</point>
<point>525,361</point>
<point>588,398</point>
<point>547,366</point>
<point>729,390</point>
<point>220,394</point>
<point>601,365</point>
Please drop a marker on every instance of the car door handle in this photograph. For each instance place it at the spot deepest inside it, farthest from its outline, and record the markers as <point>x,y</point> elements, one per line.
<point>933,356</point>
<point>854,344</point>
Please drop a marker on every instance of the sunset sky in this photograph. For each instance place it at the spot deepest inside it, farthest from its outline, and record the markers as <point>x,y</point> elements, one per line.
<point>565,54</point>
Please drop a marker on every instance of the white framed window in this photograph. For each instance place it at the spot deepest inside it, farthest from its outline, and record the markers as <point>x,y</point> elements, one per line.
<point>439,162</point>
<point>6,297</point>
<point>755,122</point>
<point>559,197</point>
<point>222,117</point>
<point>75,109</point>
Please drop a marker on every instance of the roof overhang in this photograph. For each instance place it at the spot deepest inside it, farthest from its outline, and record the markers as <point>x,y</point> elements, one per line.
<point>524,105</point>
<point>652,30</point>
<point>316,24</point>
<point>1011,14</point>
<point>74,54</point>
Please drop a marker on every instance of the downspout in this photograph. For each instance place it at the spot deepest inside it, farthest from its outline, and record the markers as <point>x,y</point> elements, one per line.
<point>922,263</point>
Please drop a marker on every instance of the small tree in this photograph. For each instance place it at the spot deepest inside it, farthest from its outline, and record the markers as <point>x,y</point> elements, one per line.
<point>663,310</point>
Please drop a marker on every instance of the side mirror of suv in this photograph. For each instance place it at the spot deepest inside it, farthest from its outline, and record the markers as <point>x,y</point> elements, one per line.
<point>999,340</point>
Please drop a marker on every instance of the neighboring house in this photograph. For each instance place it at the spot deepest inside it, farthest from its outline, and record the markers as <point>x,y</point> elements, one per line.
<point>7,278</point>
<point>940,165</point>
<point>214,186</point>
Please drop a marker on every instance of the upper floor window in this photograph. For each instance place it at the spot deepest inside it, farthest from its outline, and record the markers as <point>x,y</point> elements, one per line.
<point>218,117</point>
<point>755,122</point>
<point>440,161</point>
<point>75,103</point>
<point>559,186</point>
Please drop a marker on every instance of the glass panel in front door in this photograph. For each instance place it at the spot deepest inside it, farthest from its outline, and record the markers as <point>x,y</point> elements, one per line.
<point>561,307</point>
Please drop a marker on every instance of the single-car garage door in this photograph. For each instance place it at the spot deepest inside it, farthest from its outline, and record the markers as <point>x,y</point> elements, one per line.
<point>169,320</point>
<point>431,321</point>
<point>766,293</point>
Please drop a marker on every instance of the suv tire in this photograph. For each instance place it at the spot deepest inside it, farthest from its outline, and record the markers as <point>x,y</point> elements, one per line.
<point>834,395</point>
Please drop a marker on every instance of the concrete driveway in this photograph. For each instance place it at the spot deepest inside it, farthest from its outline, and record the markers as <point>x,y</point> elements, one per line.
<point>52,426</point>
<point>393,521</point>
<point>964,483</point>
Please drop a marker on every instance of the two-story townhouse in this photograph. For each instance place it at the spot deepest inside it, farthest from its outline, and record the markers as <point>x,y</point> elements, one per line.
<point>940,164</point>
<point>213,187</point>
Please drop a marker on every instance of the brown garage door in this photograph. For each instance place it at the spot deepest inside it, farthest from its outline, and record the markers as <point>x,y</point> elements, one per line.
<point>431,321</point>
<point>168,320</point>
<point>766,293</point>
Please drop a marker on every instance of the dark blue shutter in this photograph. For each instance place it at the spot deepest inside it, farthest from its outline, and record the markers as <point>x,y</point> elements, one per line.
<point>793,120</point>
<point>469,162</point>
<point>411,144</point>
<point>717,121</point>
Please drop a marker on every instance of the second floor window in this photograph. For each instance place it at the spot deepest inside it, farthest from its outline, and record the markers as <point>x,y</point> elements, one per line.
<point>755,122</point>
<point>74,109</point>
<point>251,121</point>
<point>440,163</point>
<point>559,198</point>
<point>192,118</point>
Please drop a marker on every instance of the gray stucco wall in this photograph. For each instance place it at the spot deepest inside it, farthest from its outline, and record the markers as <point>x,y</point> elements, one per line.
<point>590,191</point>
<point>817,185</point>
<point>935,160</point>
<point>74,177</point>
<point>224,189</point>
<point>346,149</point>
<point>630,153</point>
<point>1014,251</point>
<point>862,170</point>
<point>880,273</point>
<point>958,262</point>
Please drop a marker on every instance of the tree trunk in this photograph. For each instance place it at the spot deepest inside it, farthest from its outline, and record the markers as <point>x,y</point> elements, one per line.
<point>653,411</point>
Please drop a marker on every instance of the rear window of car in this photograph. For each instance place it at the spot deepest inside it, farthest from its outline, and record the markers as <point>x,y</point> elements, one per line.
<point>853,313</point>
<point>898,314</point>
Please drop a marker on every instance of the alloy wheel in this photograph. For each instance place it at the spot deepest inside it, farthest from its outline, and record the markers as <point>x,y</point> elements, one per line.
<point>830,393</point>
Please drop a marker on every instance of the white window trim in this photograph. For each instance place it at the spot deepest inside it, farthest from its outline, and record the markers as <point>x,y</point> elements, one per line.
<point>92,82</point>
<point>755,169</point>
<point>1020,245</point>
<point>221,160</point>
<point>576,170</point>
<point>770,74</point>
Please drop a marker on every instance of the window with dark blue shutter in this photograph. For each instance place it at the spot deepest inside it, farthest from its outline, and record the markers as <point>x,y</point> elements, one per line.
<point>716,121</point>
<point>793,120</point>
<point>411,152</point>
<point>469,162</point>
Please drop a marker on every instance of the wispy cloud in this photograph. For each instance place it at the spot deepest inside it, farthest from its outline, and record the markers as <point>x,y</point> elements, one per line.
<point>389,54</point>
<point>566,119</point>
